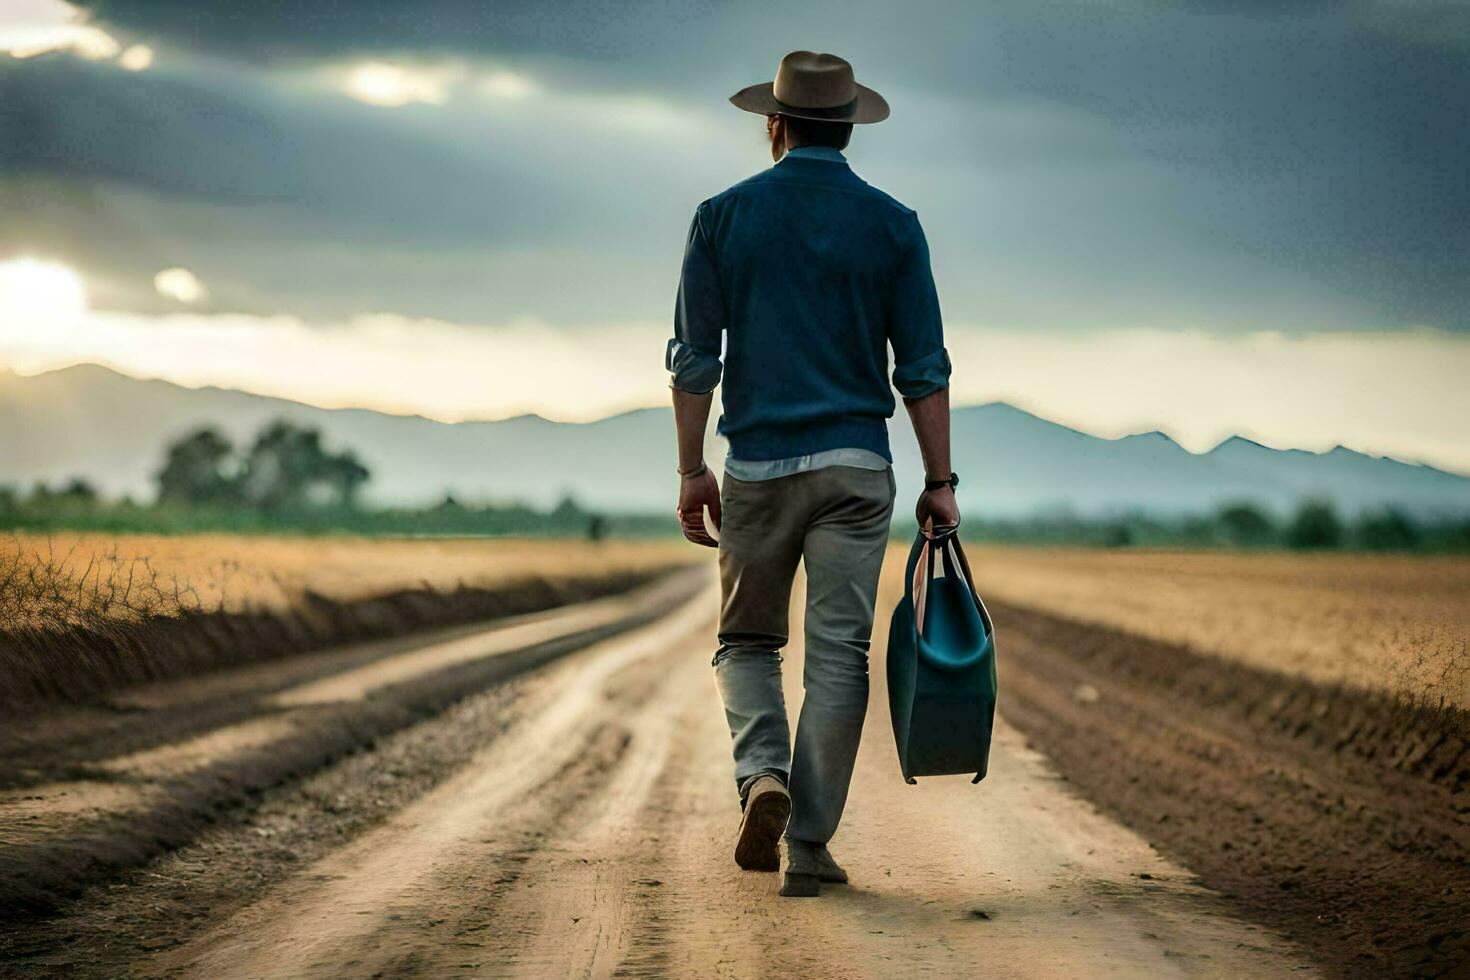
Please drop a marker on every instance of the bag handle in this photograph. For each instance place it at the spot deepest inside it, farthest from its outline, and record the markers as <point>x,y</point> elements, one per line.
<point>959,551</point>
<point>921,569</point>
<point>930,541</point>
<point>946,542</point>
<point>919,587</point>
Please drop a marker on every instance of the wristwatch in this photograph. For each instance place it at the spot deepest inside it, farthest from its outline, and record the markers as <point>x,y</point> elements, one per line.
<point>952,482</point>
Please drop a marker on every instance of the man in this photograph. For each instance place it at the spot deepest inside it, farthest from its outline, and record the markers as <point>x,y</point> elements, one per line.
<point>809,275</point>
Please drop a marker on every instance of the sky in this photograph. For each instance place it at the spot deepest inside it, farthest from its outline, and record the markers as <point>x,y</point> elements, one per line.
<point>1202,217</point>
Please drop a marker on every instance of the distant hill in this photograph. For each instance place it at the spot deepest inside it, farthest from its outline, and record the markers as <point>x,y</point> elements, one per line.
<point>111,428</point>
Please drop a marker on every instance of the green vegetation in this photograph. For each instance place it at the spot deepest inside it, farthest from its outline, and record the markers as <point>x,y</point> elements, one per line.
<point>286,469</point>
<point>1245,526</point>
<point>448,519</point>
<point>287,482</point>
<point>1315,526</point>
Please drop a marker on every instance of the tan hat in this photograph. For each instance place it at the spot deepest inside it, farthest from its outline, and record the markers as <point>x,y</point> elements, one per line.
<point>814,86</point>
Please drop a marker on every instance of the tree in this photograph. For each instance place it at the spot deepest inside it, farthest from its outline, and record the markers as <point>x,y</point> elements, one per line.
<point>79,490</point>
<point>1389,529</point>
<point>281,465</point>
<point>1454,535</point>
<point>568,511</point>
<point>348,475</point>
<point>1314,526</point>
<point>1117,534</point>
<point>1245,525</point>
<point>287,467</point>
<point>196,470</point>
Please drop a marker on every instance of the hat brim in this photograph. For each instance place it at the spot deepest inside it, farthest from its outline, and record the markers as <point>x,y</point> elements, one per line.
<point>868,107</point>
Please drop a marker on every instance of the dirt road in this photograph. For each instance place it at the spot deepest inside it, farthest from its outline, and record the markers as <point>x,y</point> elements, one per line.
<point>591,837</point>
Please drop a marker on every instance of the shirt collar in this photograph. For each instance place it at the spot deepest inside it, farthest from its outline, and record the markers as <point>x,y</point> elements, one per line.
<point>816,153</point>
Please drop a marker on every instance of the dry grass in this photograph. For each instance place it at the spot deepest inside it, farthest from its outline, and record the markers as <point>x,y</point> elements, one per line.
<point>85,615</point>
<point>1387,623</point>
<point>222,572</point>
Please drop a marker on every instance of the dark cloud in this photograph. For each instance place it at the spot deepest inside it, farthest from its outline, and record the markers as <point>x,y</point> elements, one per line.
<point>224,138</point>
<point>584,28</point>
<point>311,203</point>
<point>1312,140</point>
<point>1197,164</point>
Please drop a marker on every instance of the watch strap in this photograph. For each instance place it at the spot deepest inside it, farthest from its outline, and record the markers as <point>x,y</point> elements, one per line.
<point>952,482</point>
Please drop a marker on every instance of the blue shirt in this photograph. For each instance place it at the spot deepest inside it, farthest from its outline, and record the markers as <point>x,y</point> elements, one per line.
<point>809,275</point>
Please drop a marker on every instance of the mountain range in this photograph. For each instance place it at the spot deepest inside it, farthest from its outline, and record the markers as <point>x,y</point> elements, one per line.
<point>112,429</point>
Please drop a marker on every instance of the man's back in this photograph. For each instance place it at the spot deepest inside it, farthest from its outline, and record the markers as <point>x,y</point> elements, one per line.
<point>811,273</point>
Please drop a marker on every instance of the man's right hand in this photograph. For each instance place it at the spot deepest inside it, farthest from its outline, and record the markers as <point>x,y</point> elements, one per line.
<point>695,494</point>
<point>938,506</point>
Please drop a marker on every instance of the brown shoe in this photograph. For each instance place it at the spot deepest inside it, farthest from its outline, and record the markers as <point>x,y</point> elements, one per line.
<point>767,805</point>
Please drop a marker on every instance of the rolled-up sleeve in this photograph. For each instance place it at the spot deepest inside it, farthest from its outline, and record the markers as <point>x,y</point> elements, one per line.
<point>693,356</point>
<point>915,329</point>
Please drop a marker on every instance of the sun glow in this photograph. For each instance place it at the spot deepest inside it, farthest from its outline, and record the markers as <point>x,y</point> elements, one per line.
<point>180,284</point>
<point>383,84</point>
<point>393,85</point>
<point>39,299</point>
<point>136,58</point>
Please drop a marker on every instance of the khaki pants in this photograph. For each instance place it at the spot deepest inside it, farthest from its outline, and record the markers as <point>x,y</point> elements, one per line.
<point>836,520</point>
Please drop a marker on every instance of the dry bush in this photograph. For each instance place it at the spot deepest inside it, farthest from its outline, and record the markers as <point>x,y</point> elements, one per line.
<point>46,591</point>
<point>72,624</point>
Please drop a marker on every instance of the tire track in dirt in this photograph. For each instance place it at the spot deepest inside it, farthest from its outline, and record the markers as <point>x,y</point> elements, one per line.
<point>398,898</point>
<point>56,838</point>
<point>575,911</point>
<point>167,715</point>
<point>69,742</point>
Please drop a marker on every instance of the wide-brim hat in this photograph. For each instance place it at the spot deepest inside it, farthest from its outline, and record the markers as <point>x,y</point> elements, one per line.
<point>814,86</point>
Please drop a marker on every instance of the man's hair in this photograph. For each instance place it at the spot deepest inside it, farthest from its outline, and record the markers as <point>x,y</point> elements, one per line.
<point>818,132</point>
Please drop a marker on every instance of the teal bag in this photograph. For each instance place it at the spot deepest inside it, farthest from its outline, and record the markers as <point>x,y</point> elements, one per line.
<point>941,665</point>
